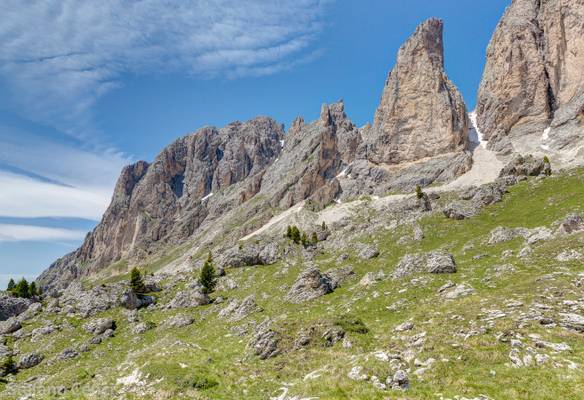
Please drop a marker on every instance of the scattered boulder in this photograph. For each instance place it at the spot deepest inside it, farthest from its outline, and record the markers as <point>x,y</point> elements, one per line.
<point>573,321</point>
<point>99,326</point>
<point>264,342</point>
<point>368,252</point>
<point>131,301</point>
<point>68,354</point>
<point>458,210</point>
<point>371,278</point>
<point>333,335</point>
<point>194,296</point>
<point>523,166</point>
<point>435,262</point>
<point>179,321</point>
<point>337,276</point>
<point>249,255</point>
<point>9,326</point>
<point>38,333</point>
<point>12,306</point>
<point>399,381</point>
<point>30,360</point>
<point>311,284</point>
<point>142,327</point>
<point>236,311</point>
<point>573,223</point>
<point>569,255</point>
<point>5,351</point>
<point>458,291</point>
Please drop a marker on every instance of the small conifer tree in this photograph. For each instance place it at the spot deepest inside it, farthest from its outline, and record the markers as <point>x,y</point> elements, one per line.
<point>208,276</point>
<point>32,289</point>
<point>304,239</point>
<point>136,282</point>
<point>324,227</point>
<point>314,238</point>
<point>419,193</point>
<point>11,285</point>
<point>289,232</point>
<point>22,289</point>
<point>296,234</point>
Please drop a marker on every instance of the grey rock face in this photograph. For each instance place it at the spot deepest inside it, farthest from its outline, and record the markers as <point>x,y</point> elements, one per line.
<point>92,301</point>
<point>524,166</point>
<point>191,297</point>
<point>131,301</point>
<point>264,342</point>
<point>573,223</point>
<point>311,284</point>
<point>68,354</point>
<point>421,113</point>
<point>99,326</point>
<point>30,360</point>
<point>337,276</point>
<point>368,252</point>
<point>249,255</point>
<point>164,202</point>
<point>573,321</point>
<point>12,306</point>
<point>435,262</point>
<point>179,321</point>
<point>142,327</point>
<point>532,77</point>
<point>236,311</point>
<point>9,326</point>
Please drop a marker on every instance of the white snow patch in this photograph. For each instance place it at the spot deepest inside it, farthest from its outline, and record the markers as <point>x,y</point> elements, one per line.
<point>207,196</point>
<point>475,135</point>
<point>546,134</point>
<point>282,143</point>
<point>343,173</point>
<point>545,147</point>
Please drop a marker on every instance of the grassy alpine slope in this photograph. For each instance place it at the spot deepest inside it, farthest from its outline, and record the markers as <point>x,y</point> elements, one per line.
<point>502,339</point>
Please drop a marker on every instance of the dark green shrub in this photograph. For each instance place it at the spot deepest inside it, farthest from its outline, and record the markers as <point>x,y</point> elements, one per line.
<point>8,366</point>
<point>352,324</point>
<point>11,285</point>
<point>419,192</point>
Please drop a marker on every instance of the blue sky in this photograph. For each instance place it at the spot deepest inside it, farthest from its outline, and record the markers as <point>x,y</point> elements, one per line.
<point>87,87</point>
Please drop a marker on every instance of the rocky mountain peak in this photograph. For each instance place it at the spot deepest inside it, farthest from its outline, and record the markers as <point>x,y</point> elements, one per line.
<point>533,77</point>
<point>421,113</point>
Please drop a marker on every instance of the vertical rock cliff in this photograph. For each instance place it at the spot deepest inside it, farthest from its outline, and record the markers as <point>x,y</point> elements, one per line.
<point>421,113</point>
<point>534,74</point>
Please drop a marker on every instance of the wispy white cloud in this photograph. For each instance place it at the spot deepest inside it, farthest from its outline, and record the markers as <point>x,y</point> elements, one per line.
<point>24,197</point>
<point>31,233</point>
<point>60,56</point>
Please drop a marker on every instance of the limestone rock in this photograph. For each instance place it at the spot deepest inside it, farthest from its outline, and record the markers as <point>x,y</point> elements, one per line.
<point>533,74</point>
<point>12,306</point>
<point>30,360</point>
<point>99,326</point>
<point>311,284</point>
<point>194,296</point>
<point>421,113</point>
<point>573,223</point>
<point>9,326</point>
<point>236,311</point>
<point>435,262</point>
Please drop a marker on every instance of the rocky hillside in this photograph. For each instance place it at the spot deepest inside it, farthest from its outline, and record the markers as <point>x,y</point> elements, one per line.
<point>253,168</point>
<point>337,279</point>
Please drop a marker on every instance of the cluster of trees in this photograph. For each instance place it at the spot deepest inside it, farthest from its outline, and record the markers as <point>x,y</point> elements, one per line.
<point>22,289</point>
<point>293,233</point>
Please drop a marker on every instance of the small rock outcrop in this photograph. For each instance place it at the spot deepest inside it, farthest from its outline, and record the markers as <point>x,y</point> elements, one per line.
<point>421,113</point>
<point>435,262</point>
<point>12,306</point>
<point>193,296</point>
<point>9,326</point>
<point>311,284</point>
<point>99,326</point>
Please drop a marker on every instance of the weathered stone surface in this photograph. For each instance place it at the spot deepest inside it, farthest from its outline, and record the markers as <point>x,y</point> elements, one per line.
<point>179,321</point>
<point>193,296</point>
<point>131,301</point>
<point>236,311</point>
<point>164,202</point>
<point>264,342</point>
<point>533,74</point>
<point>311,284</point>
<point>12,306</point>
<point>30,360</point>
<point>435,262</point>
<point>421,113</point>
<point>99,326</point>
<point>9,326</point>
<point>368,252</point>
<point>573,223</point>
<point>524,166</point>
